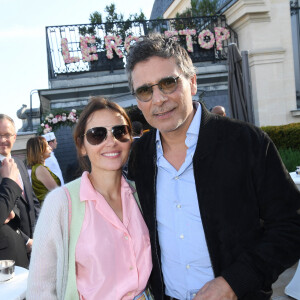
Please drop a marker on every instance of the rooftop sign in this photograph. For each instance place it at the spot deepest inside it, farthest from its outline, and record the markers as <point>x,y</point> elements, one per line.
<point>98,47</point>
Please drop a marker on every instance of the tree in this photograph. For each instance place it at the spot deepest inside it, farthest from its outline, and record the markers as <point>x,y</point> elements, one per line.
<point>109,21</point>
<point>200,8</point>
<point>96,18</point>
<point>113,16</point>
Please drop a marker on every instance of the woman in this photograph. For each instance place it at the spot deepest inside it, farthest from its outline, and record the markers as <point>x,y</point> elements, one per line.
<point>42,179</point>
<point>91,241</point>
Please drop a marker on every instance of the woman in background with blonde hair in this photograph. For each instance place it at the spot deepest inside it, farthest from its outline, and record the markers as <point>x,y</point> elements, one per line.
<point>42,179</point>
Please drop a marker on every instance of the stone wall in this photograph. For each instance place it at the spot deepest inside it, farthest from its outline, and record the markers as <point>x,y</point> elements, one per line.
<point>264,29</point>
<point>177,6</point>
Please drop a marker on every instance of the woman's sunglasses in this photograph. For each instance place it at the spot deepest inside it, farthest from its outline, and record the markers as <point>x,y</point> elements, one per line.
<point>167,85</point>
<point>97,135</point>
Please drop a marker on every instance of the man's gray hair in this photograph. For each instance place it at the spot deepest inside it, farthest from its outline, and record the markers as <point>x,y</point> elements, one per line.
<point>8,118</point>
<point>156,44</point>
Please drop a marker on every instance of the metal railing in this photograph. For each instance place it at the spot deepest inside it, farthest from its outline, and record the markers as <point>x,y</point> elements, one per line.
<point>72,33</point>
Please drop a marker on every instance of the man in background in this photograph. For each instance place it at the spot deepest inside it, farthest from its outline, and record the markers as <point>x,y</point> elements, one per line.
<point>219,110</point>
<point>52,162</point>
<point>12,245</point>
<point>27,204</point>
<point>137,130</point>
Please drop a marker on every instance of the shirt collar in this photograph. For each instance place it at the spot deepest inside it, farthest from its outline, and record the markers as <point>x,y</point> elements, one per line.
<point>2,157</point>
<point>195,124</point>
<point>88,192</point>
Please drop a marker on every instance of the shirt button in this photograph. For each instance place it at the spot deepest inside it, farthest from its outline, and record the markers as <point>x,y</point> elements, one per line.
<point>131,268</point>
<point>181,236</point>
<point>177,177</point>
<point>125,237</point>
<point>188,266</point>
<point>178,206</point>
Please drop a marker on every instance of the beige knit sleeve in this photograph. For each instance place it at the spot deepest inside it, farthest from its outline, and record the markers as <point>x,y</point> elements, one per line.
<point>49,259</point>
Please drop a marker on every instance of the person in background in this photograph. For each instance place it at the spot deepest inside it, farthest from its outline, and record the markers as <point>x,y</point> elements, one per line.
<point>137,129</point>
<point>219,110</point>
<point>51,162</point>
<point>222,211</point>
<point>12,245</point>
<point>137,132</point>
<point>43,180</point>
<point>27,205</point>
<point>91,241</point>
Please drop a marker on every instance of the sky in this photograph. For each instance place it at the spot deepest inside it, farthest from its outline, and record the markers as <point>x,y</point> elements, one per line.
<point>23,63</point>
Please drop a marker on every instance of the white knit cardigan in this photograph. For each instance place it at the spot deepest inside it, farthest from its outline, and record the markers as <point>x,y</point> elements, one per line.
<point>49,260</point>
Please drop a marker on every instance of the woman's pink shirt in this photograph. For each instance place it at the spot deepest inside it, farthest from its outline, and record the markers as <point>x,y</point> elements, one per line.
<point>113,259</point>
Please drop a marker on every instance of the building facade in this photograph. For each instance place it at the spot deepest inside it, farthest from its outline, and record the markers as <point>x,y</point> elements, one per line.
<point>89,59</point>
<point>269,33</point>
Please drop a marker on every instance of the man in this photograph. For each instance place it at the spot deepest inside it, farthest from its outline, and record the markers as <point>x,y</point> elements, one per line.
<point>222,211</point>
<point>11,243</point>
<point>219,110</point>
<point>52,162</point>
<point>137,130</point>
<point>27,204</point>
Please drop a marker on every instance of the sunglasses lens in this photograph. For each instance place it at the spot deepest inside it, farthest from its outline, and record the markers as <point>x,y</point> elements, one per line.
<point>96,136</point>
<point>168,85</point>
<point>144,93</point>
<point>121,133</point>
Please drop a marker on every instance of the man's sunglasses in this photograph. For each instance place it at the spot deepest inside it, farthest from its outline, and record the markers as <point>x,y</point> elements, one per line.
<point>167,85</point>
<point>97,135</point>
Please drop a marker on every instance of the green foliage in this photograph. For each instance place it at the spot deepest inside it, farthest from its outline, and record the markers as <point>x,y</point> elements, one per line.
<point>287,140</point>
<point>124,28</point>
<point>200,8</point>
<point>206,7</point>
<point>112,16</point>
<point>290,158</point>
<point>285,136</point>
<point>137,17</point>
<point>96,18</point>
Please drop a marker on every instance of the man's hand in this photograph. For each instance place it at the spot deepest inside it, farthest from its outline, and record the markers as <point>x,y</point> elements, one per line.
<point>9,169</point>
<point>216,289</point>
<point>29,245</point>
